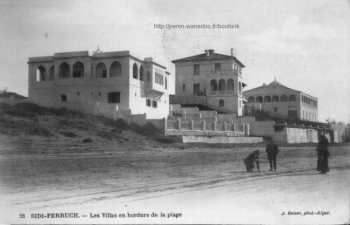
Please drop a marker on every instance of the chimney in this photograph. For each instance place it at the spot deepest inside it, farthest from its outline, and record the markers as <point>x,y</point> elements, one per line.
<point>148,59</point>
<point>206,52</point>
<point>211,51</point>
<point>233,52</point>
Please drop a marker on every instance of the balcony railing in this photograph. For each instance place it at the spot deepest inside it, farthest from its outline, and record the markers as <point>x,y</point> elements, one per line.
<point>188,99</point>
<point>218,93</point>
<point>219,72</point>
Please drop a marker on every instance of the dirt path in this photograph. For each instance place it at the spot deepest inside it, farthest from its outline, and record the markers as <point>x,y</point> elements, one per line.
<point>263,197</point>
<point>204,185</point>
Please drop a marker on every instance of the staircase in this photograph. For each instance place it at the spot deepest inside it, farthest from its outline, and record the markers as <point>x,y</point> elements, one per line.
<point>191,120</point>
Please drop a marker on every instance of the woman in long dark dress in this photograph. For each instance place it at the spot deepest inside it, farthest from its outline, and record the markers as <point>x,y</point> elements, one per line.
<point>323,154</point>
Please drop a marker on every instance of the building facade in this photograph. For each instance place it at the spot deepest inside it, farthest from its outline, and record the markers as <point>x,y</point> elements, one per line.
<point>346,135</point>
<point>114,84</point>
<point>282,101</point>
<point>211,79</point>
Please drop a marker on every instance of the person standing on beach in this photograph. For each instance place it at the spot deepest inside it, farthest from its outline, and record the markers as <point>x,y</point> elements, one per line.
<point>272,151</point>
<point>322,154</point>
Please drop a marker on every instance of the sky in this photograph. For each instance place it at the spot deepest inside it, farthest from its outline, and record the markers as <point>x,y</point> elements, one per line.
<point>305,45</point>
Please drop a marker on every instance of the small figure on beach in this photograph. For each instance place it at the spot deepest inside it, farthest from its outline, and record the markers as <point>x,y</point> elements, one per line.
<point>272,151</point>
<point>251,160</point>
<point>322,154</point>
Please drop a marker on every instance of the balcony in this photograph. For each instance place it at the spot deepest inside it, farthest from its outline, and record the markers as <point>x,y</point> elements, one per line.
<point>152,87</point>
<point>222,72</point>
<point>221,93</point>
<point>188,99</point>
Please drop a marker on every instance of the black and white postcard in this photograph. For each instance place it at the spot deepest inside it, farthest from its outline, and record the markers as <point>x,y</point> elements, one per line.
<point>174,112</point>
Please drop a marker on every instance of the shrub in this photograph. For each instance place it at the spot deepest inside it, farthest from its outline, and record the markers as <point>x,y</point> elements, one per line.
<point>26,110</point>
<point>30,110</point>
<point>87,140</point>
<point>120,123</point>
<point>11,94</point>
<point>148,129</point>
<point>68,134</point>
<point>22,127</point>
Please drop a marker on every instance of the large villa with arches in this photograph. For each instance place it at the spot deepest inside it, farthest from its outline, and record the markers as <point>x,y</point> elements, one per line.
<point>210,79</point>
<point>113,84</point>
<point>209,97</point>
<point>278,99</point>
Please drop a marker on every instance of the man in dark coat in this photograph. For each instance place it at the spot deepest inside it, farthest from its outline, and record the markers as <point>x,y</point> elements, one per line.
<point>272,151</point>
<point>322,154</point>
<point>318,150</point>
<point>250,160</point>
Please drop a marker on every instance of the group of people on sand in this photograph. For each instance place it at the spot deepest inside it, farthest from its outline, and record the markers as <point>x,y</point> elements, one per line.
<point>252,160</point>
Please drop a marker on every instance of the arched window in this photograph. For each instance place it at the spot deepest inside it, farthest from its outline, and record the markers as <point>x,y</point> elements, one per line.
<point>141,73</point>
<point>284,98</point>
<point>292,98</point>
<point>135,71</point>
<point>251,99</point>
<point>148,76</point>
<point>221,103</point>
<point>275,98</point>
<point>64,70</point>
<point>115,70</point>
<point>267,98</point>
<point>52,73</point>
<point>101,70</point>
<point>63,98</point>
<point>78,69</point>
<point>222,85</point>
<point>41,74</point>
<point>259,99</point>
<point>230,84</point>
<point>213,85</point>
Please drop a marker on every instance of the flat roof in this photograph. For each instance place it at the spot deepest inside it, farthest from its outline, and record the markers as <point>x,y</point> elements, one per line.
<point>86,54</point>
<point>40,59</point>
<point>71,54</point>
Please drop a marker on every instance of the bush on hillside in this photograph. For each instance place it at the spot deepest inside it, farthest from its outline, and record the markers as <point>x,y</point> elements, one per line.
<point>68,134</point>
<point>6,94</point>
<point>26,110</point>
<point>120,123</point>
<point>30,110</point>
<point>25,127</point>
<point>147,130</point>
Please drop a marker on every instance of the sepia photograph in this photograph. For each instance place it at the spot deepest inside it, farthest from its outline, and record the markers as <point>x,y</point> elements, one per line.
<point>175,112</point>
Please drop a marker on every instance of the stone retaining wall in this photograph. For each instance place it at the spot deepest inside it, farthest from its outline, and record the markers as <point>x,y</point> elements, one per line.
<point>221,139</point>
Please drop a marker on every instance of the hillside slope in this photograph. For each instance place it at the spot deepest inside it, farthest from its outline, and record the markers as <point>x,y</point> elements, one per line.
<point>29,120</point>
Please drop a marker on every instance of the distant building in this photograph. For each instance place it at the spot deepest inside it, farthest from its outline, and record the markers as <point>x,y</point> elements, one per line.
<point>114,84</point>
<point>346,135</point>
<point>339,129</point>
<point>211,79</point>
<point>282,101</point>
